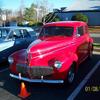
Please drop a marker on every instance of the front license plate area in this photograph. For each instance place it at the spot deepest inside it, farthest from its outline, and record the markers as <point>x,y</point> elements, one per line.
<point>40,71</point>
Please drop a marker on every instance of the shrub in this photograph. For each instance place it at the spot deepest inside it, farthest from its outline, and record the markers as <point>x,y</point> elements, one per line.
<point>20,24</point>
<point>80,17</point>
<point>30,23</point>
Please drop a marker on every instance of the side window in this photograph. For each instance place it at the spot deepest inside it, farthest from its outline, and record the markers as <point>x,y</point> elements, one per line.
<point>18,33</point>
<point>80,30</point>
<point>4,33</point>
<point>11,35</point>
<point>25,33</point>
<point>15,34</point>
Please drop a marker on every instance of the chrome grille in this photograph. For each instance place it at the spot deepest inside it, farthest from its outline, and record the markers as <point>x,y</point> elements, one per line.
<point>40,71</point>
<point>35,71</point>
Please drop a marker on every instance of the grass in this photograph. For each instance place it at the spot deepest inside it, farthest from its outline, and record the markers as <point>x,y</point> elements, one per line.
<point>96,45</point>
<point>94,29</point>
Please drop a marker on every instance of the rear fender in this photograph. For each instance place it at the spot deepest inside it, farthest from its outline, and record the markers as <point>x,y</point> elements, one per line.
<point>91,40</point>
<point>91,44</point>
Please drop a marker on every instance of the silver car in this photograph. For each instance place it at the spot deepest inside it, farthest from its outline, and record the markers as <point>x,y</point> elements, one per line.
<point>13,39</point>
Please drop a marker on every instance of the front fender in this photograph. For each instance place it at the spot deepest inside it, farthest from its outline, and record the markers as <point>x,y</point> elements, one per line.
<point>68,61</point>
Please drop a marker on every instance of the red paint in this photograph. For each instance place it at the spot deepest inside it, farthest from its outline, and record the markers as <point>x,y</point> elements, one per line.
<point>56,48</point>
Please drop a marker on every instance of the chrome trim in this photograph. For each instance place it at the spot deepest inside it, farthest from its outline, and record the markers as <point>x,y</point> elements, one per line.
<point>36,80</point>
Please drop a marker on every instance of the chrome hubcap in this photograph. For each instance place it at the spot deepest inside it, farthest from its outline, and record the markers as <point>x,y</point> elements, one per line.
<point>71,76</point>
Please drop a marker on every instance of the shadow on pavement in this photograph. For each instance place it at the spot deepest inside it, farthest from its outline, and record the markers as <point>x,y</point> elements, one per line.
<point>10,88</point>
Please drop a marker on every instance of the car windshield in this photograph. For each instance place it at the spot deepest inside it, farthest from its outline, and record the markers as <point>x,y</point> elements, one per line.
<point>57,31</point>
<point>4,33</point>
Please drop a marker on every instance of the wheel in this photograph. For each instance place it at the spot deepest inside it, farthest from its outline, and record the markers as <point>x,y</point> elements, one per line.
<point>90,52</point>
<point>90,55</point>
<point>70,76</point>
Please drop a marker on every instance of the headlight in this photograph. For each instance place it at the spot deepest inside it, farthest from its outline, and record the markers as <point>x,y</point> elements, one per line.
<point>57,64</point>
<point>10,60</point>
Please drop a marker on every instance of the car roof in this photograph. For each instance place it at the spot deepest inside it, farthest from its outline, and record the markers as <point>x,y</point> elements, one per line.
<point>16,27</point>
<point>66,23</point>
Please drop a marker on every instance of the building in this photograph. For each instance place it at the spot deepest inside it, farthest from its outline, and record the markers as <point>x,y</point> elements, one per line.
<point>91,8</point>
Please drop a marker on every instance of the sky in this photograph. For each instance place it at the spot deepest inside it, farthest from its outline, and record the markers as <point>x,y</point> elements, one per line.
<point>15,4</point>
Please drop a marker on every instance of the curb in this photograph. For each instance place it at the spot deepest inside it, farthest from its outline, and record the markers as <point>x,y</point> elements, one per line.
<point>95,52</point>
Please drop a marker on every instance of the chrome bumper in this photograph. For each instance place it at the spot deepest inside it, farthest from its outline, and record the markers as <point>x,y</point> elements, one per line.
<point>36,80</point>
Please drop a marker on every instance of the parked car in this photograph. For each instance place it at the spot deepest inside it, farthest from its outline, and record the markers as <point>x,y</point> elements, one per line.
<point>13,39</point>
<point>55,56</point>
<point>37,29</point>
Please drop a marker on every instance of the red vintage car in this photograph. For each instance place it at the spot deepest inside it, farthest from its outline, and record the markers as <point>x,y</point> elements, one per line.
<point>55,56</point>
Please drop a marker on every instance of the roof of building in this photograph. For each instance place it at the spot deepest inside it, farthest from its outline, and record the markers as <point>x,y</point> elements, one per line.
<point>84,5</point>
<point>66,23</point>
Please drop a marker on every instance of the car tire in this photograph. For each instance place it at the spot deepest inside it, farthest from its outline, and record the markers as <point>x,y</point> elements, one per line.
<point>90,52</point>
<point>70,76</point>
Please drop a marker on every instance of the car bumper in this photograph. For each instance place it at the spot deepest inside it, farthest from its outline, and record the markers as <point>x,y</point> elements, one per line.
<point>36,80</point>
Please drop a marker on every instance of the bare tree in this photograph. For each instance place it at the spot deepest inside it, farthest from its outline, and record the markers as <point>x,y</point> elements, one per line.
<point>42,7</point>
<point>8,14</point>
<point>45,7</point>
<point>21,10</point>
<point>0,7</point>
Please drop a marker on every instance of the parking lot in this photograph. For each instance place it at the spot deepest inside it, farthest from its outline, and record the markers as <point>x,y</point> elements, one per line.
<point>50,50</point>
<point>86,84</point>
<point>90,89</point>
<point>9,88</point>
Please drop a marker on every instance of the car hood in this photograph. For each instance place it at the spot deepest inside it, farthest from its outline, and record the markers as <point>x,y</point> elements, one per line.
<point>43,46</point>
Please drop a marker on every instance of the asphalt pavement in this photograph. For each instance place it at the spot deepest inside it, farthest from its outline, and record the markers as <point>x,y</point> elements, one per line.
<point>9,88</point>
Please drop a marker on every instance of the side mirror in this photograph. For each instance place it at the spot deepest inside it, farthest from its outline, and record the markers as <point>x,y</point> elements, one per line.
<point>78,35</point>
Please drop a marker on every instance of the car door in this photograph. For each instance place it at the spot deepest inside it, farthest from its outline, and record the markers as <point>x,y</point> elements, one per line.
<point>28,37</point>
<point>5,44</point>
<point>19,41</point>
<point>82,44</point>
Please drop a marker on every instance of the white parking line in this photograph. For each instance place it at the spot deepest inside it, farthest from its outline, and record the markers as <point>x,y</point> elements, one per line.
<point>3,70</point>
<point>81,85</point>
